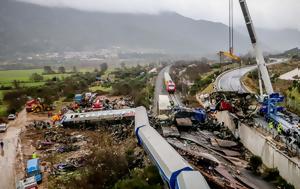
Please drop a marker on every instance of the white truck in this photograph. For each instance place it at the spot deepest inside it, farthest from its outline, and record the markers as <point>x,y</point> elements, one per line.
<point>3,127</point>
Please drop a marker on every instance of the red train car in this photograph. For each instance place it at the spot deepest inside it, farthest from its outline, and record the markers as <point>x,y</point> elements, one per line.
<point>169,84</point>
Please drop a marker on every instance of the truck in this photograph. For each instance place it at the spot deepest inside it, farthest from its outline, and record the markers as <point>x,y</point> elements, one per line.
<point>33,169</point>
<point>37,105</point>
<point>78,98</point>
<point>3,127</point>
<point>163,105</point>
<point>27,183</point>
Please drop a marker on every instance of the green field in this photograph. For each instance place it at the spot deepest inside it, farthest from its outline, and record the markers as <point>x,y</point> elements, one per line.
<point>2,107</point>
<point>7,76</point>
<point>104,89</point>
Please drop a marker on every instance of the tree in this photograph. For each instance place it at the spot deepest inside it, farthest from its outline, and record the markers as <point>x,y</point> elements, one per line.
<point>61,69</point>
<point>48,70</point>
<point>16,84</point>
<point>36,77</point>
<point>103,67</point>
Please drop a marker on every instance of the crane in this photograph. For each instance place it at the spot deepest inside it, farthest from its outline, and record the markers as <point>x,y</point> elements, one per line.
<point>270,108</point>
<point>262,68</point>
<point>230,54</point>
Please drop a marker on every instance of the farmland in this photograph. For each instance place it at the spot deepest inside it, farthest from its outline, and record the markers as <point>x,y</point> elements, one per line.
<point>8,76</point>
<point>23,77</point>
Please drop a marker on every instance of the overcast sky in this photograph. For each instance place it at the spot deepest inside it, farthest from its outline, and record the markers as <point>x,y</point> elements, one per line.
<point>276,14</point>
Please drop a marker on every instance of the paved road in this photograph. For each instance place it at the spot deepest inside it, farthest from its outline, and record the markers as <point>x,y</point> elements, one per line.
<point>230,81</point>
<point>159,87</point>
<point>291,75</point>
<point>9,153</point>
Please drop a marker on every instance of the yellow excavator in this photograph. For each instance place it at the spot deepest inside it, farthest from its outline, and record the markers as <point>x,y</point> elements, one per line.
<point>40,107</point>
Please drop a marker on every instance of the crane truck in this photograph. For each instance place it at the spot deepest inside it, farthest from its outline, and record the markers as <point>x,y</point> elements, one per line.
<point>269,101</point>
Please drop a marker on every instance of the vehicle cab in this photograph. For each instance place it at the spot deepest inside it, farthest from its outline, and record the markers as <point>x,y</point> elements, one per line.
<point>33,169</point>
<point>28,183</point>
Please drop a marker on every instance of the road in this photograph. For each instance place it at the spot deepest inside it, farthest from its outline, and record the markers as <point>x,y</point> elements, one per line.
<point>9,153</point>
<point>231,80</point>
<point>161,90</point>
<point>159,87</point>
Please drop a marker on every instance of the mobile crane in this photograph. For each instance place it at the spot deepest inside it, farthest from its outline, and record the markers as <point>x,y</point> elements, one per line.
<point>269,109</point>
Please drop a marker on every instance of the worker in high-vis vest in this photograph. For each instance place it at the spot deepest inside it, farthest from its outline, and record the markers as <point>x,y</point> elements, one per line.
<point>271,125</point>
<point>279,128</point>
<point>34,155</point>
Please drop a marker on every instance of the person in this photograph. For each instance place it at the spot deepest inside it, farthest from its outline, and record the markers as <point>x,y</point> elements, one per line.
<point>34,155</point>
<point>271,125</point>
<point>1,144</point>
<point>279,128</point>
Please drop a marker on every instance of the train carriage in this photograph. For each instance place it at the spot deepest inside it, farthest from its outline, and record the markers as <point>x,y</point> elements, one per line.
<point>169,84</point>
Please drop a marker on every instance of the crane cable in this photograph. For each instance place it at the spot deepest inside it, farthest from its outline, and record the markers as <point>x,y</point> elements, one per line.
<point>230,26</point>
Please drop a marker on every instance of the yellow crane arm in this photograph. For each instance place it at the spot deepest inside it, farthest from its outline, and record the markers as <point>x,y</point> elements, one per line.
<point>230,55</point>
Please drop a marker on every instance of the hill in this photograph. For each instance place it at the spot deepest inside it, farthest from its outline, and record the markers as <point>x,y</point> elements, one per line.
<point>29,28</point>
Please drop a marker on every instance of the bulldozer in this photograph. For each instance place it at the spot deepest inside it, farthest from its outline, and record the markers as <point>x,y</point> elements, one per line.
<point>40,107</point>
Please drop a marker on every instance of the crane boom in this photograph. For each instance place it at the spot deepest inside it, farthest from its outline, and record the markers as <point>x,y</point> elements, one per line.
<point>259,56</point>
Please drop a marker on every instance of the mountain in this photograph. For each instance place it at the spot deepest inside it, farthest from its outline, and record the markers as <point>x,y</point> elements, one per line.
<point>29,28</point>
<point>277,40</point>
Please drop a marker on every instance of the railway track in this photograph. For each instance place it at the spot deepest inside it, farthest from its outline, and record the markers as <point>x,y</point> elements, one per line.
<point>173,98</point>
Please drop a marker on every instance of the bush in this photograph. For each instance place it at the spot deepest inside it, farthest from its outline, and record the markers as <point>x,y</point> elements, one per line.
<point>36,77</point>
<point>105,166</point>
<point>255,163</point>
<point>147,178</point>
<point>271,174</point>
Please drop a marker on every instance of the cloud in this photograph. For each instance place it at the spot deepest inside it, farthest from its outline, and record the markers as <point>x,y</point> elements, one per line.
<point>267,13</point>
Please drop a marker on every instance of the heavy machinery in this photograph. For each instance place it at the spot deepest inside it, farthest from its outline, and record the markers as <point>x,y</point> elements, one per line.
<point>270,109</point>
<point>41,107</point>
<point>37,105</point>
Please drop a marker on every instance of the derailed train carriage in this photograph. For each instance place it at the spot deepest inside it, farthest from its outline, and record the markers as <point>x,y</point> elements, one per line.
<point>174,170</point>
<point>97,118</point>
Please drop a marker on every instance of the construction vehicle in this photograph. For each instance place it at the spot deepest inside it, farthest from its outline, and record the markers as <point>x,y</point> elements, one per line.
<point>33,169</point>
<point>31,102</point>
<point>36,108</point>
<point>78,98</point>
<point>27,183</point>
<point>270,109</point>
<point>38,105</point>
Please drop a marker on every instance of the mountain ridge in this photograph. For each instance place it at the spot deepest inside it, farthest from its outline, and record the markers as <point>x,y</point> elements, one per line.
<point>30,28</point>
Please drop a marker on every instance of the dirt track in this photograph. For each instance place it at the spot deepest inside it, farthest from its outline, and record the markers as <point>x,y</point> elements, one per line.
<point>9,153</point>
